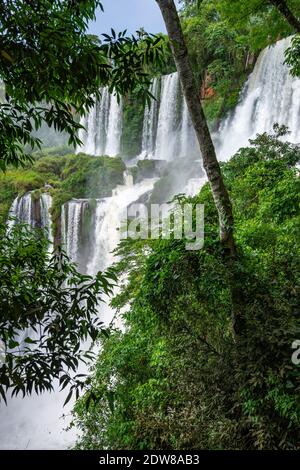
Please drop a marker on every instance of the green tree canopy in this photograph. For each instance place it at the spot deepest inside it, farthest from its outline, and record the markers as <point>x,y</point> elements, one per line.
<point>53,70</point>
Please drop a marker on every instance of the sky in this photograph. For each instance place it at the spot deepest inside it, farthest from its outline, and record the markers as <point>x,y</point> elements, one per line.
<point>130,15</point>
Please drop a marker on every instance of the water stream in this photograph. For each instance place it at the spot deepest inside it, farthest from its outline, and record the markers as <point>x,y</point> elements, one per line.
<point>270,95</point>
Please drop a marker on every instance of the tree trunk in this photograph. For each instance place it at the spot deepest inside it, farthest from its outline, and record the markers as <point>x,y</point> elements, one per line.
<point>210,162</point>
<point>190,91</point>
<point>284,9</point>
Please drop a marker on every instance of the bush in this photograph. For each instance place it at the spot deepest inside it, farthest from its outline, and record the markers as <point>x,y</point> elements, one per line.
<point>176,378</point>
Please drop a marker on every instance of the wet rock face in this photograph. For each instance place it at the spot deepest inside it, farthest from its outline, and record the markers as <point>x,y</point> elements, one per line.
<point>36,213</point>
<point>207,91</point>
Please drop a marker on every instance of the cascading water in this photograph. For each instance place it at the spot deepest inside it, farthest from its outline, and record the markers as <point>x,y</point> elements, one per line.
<point>35,213</point>
<point>150,122</point>
<point>114,129</point>
<point>167,130</point>
<point>34,422</point>
<point>194,185</point>
<point>165,146</point>
<point>109,215</point>
<point>108,218</point>
<point>270,96</point>
<point>72,217</point>
<point>105,229</point>
<point>45,205</point>
<point>189,147</point>
<point>103,127</point>
<point>21,210</point>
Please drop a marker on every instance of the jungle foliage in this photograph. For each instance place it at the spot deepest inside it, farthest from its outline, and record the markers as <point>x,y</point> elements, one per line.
<point>224,38</point>
<point>175,378</point>
<point>68,175</point>
<point>47,310</point>
<point>53,69</point>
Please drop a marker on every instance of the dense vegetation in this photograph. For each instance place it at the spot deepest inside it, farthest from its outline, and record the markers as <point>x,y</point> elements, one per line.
<point>224,39</point>
<point>177,376</point>
<point>176,379</point>
<point>53,69</point>
<point>47,309</point>
<point>66,177</point>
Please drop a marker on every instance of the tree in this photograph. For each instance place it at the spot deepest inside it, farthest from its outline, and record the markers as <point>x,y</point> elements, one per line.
<point>190,91</point>
<point>174,379</point>
<point>240,11</point>
<point>287,13</point>
<point>47,309</point>
<point>292,55</point>
<point>53,70</point>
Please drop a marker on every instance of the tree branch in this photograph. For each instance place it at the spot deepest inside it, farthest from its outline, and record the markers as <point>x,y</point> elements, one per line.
<point>284,9</point>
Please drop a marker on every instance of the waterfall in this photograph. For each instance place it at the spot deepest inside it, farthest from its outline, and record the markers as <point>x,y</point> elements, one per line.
<point>45,205</point>
<point>21,210</point>
<point>167,129</point>
<point>109,216</point>
<point>72,219</point>
<point>194,185</point>
<point>114,128</point>
<point>98,131</point>
<point>188,144</point>
<point>185,130</point>
<point>150,121</point>
<point>35,213</point>
<point>34,422</point>
<point>165,146</point>
<point>109,213</point>
<point>104,231</point>
<point>127,178</point>
<point>103,127</point>
<point>271,95</point>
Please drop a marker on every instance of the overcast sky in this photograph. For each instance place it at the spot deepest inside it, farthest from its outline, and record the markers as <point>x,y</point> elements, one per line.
<point>130,15</point>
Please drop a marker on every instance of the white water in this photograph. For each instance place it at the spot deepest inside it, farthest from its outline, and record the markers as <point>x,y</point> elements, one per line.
<point>114,128</point>
<point>271,95</point>
<point>109,214</point>
<point>21,210</point>
<point>72,217</point>
<point>35,422</point>
<point>103,124</point>
<point>150,122</point>
<point>167,130</point>
<point>194,185</point>
<point>165,146</point>
<point>46,222</point>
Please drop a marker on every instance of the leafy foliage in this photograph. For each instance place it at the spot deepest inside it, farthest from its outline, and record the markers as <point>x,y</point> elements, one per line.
<point>219,57</point>
<point>224,38</point>
<point>70,176</point>
<point>261,21</point>
<point>47,311</point>
<point>176,378</point>
<point>47,57</point>
<point>293,56</point>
